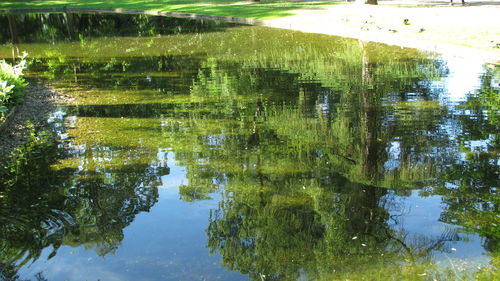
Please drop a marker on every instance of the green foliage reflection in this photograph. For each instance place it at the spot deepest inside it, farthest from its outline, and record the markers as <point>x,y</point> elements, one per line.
<point>308,139</point>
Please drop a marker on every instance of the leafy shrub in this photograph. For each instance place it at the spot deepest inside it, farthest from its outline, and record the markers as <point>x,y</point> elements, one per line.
<point>12,83</point>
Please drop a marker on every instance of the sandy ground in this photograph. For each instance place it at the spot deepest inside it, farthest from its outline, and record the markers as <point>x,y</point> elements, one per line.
<point>470,30</point>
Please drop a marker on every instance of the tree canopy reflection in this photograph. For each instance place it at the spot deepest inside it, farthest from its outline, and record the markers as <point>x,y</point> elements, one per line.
<point>308,140</point>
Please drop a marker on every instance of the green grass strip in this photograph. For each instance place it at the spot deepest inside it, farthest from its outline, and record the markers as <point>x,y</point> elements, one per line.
<point>267,9</point>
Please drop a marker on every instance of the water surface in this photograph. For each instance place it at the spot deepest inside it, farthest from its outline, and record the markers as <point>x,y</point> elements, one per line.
<point>211,151</point>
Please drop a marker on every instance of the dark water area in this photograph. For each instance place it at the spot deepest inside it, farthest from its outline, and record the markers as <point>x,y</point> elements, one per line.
<point>198,150</point>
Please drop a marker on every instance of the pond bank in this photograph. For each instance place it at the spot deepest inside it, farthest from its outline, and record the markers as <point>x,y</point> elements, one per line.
<point>38,102</point>
<point>465,31</point>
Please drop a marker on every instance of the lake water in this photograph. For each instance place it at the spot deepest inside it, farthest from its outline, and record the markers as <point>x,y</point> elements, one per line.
<point>198,150</point>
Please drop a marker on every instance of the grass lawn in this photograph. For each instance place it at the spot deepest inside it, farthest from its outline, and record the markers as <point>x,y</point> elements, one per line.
<point>266,9</point>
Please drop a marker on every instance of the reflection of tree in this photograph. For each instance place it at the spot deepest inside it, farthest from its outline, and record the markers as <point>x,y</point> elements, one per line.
<point>255,230</point>
<point>328,229</point>
<point>8,272</point>
<point>48,205</point>
<point>470,185</point>
<point>272,234</point>
<point>354,131</point>
<point>107,200</point>
<point>277,222</point>
<point>299,135</point>
<point>78,26</point>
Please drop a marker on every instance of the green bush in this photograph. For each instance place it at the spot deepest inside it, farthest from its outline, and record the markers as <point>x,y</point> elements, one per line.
<point>12,84</point>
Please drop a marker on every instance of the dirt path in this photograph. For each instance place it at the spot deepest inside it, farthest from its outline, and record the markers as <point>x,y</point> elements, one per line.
<point>471,30</point>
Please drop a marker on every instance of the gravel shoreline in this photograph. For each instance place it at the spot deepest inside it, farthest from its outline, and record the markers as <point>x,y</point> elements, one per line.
<point>39,101</point>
